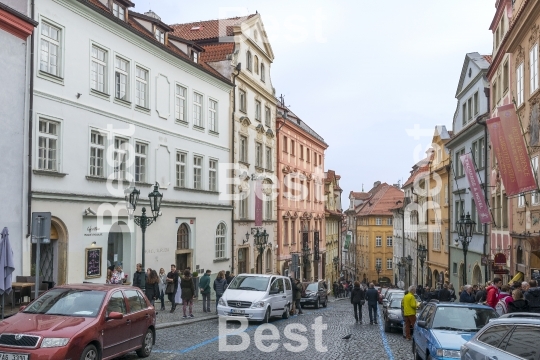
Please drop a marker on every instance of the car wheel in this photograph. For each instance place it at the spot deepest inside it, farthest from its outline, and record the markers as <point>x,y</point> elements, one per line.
<point>317,304</point>
<point>387,327</point>
<point>266,318</point>
<point>325,302</point>
<point>286,313</point>
<point>90,353</point>
<point>148,342</point>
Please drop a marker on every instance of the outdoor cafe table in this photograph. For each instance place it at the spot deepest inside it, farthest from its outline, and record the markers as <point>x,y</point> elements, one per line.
<point>22,286</point>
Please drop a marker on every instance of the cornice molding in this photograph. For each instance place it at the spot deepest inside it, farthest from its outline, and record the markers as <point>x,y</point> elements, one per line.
<point>16,25</point>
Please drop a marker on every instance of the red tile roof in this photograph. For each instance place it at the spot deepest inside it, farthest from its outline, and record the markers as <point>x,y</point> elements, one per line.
<point>217,52</point>
<point>384,199</point>
<point>209,29</point>
<point>359,195</point>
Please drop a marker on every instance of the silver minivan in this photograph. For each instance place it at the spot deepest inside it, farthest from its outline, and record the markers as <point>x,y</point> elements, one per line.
<point>257,297</point>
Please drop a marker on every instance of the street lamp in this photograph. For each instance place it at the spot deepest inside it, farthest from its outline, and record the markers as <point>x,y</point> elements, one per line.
<point>409,260</point>
<point>378,270</point>
<point>260,240</point>
<point>155,197</point>
<point>335,261</point>
<point>422,253</point>
<point>465,226</point>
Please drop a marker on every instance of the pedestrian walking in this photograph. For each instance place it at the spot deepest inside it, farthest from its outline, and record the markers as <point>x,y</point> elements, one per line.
<point>358,298</point>
<point>533,296</point>
<point>298,296</point>
<point>139,278</point>
<point>220,285</point>
<point>204,285</point>
<point>293,305</point>
<point>151,289</point>
<point>172,286</point>
<point>520,304</point>
<point>444,294</point>
<point>466,295</point>
<point>493,292</point>
<point>188,289</point>
<point>162,287</point>
<point>372,297</point>
<point>409,311</point>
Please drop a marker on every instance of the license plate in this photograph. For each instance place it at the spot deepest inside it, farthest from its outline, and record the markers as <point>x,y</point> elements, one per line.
<point>12,356</point>
<point>233,311</point>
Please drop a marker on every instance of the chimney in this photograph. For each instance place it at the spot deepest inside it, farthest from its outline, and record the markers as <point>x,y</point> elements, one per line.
<point>376,183</point>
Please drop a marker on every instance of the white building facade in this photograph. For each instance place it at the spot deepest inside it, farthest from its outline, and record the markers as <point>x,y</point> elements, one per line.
<point>119,101</point>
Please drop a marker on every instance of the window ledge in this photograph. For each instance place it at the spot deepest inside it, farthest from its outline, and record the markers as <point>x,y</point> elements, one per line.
<point>181,122</point>
<point>100,94</point>
<point>244,163</point>
<point>269,170</point>
<point>122,102</point>
<point>212,132</point>
<point>116,181</point>
<point>51,77</point>
<point>243,111</point>
<point>260,168</point>
<point>221,260</point>
<point>49,173</point>
<point>142,109</point>
<point>198,128</point>
<point>196,190</point>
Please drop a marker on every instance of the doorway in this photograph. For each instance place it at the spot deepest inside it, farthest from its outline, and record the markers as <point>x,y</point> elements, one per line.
<point>182,261</point>
<point>242,261</point>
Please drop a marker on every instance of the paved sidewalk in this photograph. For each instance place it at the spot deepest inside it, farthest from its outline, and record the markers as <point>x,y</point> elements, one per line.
<point>165,319</point>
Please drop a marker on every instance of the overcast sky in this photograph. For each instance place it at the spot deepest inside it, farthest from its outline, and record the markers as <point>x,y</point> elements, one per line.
<point>361,72</point>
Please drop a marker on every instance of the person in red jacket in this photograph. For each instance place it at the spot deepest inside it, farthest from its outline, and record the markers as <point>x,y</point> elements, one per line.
<point>493,292</point>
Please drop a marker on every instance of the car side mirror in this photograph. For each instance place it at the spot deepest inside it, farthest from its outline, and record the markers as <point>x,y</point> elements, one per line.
<point>113,315</point>
<point>421,324</point>
<point>274,291</point>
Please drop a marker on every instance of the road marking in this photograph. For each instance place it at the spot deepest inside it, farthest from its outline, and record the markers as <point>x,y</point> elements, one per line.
<point>383,336</point>
<point>209,341</point>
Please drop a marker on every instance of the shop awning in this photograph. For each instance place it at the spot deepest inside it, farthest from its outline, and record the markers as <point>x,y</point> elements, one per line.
<point>518,277</point>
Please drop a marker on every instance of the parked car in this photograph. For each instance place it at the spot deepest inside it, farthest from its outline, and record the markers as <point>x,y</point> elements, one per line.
<point>390,291</point>
<point>511,336</point>
<point>441,328</point>
<point>390,295</point>
<point>257,297</point>
<point>392,315</point>
<point>383,291</point>
<point>314,294</point>
<point>83,321</point>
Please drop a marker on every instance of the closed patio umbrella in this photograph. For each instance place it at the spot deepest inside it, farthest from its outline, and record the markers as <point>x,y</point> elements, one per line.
<point>6,265</point>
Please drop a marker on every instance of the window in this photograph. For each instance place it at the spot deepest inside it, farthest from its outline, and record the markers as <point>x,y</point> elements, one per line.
<point>160,36</point>
<point>243,211</point>
<point>475,102</point>
<point>119,11</point>
<point>519,84</point>
<point>262,73</point>
<point>378,240</point>
<point>267,120</point>
<point>180,104</point>
<point>505,77</point>
<point>533,67</point>
<point>389,221</point>
<point>308,153</point>
<point>464,114</point>
<point>97,149</point>
<point>293,232</point>
<point>269,209</point>
<point>285,143</point>
<point>378,221</point>
<point>257,110</point>
<point>197,172</point>
<point>437,241</point>
<point>182,237</point>
<point>50,49</point>
<point>459,165</point>
<point>98,70</point>
<point>494,335</point>
<point>140,162</point>
<point>389,241</point>
<point>181,169</point>
<point>141,87</point>
<point>378,263</point>
<point>248,61</point>
<point>243,149</point>
<point>293,147</point>
<point>285,232</point>
<point>481,155</point>
<point>389,264</point>
<point>454,268</point>
<point>197,110</point>
<point>212,175</point>
<point>534,194</point>
<point>256,64</point>
<point>494,95</point>
<point>48,145</point>
<point>521,336</point>
<point>315,159</point>
<point>320,160</point>
<point>120,158</point>
<point>220,241</point>
<point>121,75</point>
<point>469,109</point>
<point>242,100</point>
<point>268,158</point>
<point>212,115</point>
<point>135,301</point>
<point>116,303</point>
<point>521,200</point>
<point>194,56</point>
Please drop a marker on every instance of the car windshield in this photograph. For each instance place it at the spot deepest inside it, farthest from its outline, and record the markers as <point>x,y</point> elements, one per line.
<point>312,287</point>
<point>253,283</point>
<point>68,302</point>
<point>461,318</point>
<point>395,304</point>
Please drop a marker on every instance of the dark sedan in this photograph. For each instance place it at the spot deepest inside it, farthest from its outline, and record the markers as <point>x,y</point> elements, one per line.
<point>314,294</point>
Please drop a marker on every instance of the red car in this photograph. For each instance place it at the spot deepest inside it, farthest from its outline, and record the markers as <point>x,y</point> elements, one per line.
<point>83,321</point>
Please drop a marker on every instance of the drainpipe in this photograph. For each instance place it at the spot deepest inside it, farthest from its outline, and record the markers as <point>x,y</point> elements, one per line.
<point>30,131</point>
<point>448,169</point>
<point>237,68</point>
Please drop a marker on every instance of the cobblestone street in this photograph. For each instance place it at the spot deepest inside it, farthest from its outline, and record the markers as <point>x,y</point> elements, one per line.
<point>200,340</point>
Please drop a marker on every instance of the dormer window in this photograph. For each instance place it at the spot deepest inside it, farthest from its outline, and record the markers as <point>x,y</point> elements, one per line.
<point>119,11</point>
<point>160,36</point>
<point>194,56</point>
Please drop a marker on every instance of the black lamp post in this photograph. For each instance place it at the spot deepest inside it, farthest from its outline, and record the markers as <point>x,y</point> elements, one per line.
<point>422,253</point>
<point>465,226</point>
<point>409,261</point>
<point>260,241</point>
<point>155,197</point>
<point>335,261</point>
<point>378,270</point>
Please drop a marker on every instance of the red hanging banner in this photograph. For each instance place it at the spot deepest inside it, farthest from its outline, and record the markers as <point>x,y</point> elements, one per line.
<point>504,160</point>
<point>258,203</point>
<point>476,188</point>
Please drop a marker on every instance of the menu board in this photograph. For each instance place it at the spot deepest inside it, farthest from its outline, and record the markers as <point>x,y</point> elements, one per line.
<point>93,263</point>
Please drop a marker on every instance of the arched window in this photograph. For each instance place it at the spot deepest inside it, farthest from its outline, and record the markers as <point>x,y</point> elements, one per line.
<point>248,61</point>
<point>519,255</point>
<point>182,237</point>
<point>256,64</point>
<point>262,72</point>
<point>220,241</point>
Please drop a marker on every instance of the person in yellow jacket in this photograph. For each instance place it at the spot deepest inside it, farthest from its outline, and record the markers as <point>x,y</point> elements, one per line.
<point>409,311</point>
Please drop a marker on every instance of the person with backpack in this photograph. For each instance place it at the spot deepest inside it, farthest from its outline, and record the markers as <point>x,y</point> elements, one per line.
<point>358,297</point>
<point>493,292</point>
<point>501,307</point>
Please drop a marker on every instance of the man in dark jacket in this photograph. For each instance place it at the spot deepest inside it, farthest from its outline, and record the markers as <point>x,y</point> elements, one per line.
<point>444,294</point>
<point>228,277</point>
<point>358,296</point>
<point>372,297</point>
<point>139,278</point>
<point>204,285</point>
<point>533,296</point>
<point>467,295</point>
<point>298,296</point>
<point>172,278</point>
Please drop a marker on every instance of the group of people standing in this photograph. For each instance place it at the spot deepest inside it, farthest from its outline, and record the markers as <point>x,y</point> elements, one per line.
<point>518,297</point>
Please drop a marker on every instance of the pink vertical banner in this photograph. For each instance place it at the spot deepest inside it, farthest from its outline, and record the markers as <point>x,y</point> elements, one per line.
<point>476,188</point>
<point>258,203</point>
<point>504,159</point>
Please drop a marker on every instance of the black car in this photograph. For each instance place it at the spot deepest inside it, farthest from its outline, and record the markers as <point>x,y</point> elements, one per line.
<point>314,294</point>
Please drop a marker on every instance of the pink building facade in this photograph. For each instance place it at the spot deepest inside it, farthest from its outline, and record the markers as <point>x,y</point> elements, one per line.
<point>301,251</point>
